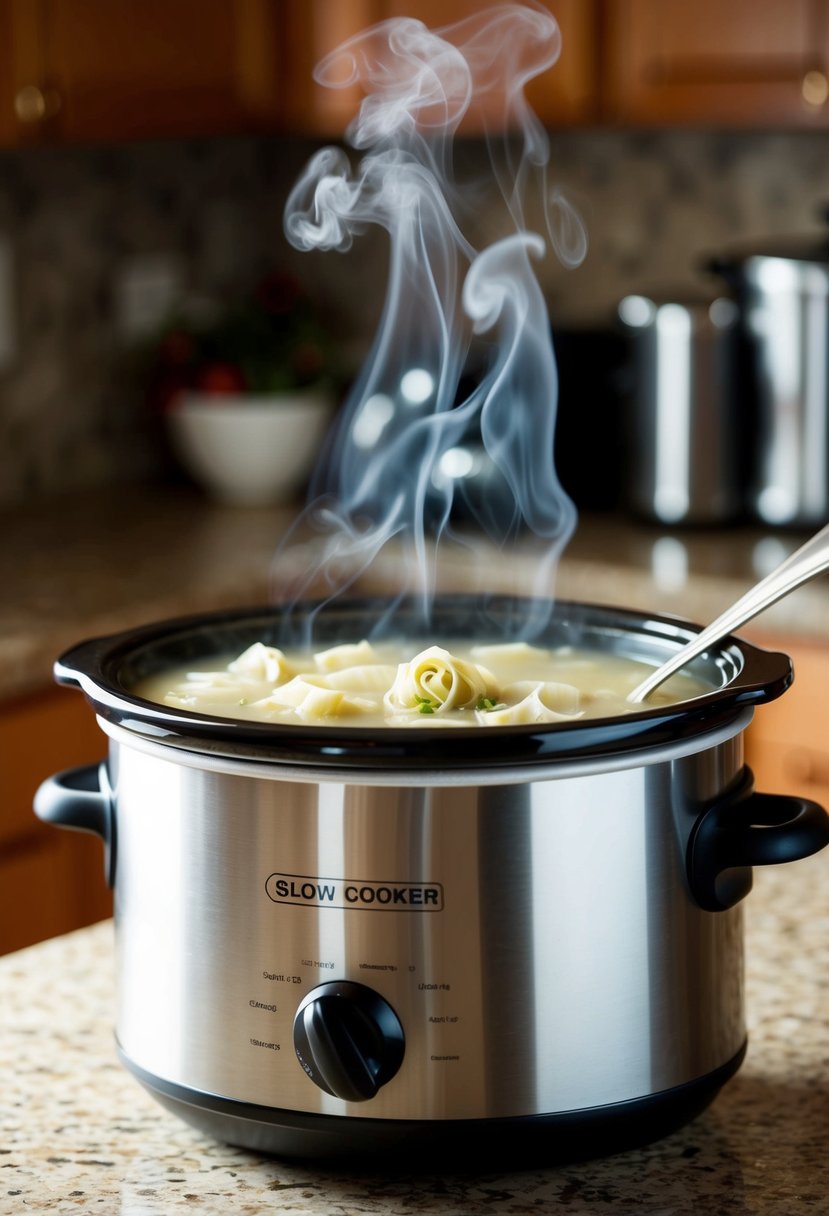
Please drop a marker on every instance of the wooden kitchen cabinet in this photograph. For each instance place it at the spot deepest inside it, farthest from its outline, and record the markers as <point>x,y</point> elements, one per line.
<point>8,122</point>
<point>113,70</point>
<point>760,63</point>
<point>787,744</point>
<point>565,95</point>
<point>89,70</point>
<point>51,880</point>
<point>741,63</point>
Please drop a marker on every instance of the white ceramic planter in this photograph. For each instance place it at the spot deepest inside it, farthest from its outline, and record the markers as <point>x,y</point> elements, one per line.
<point>250,450</point>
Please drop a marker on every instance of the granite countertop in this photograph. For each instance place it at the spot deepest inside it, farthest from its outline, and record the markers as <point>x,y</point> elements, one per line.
<point>103,561</point>
<point>78,1134</point>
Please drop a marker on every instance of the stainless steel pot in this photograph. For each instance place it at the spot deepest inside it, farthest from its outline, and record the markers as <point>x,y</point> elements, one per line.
<point>783,291</point>
<point>684,420</point>
<point>524,941</point>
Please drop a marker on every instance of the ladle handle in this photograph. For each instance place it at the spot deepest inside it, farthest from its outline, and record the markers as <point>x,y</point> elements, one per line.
<point>810,559</point>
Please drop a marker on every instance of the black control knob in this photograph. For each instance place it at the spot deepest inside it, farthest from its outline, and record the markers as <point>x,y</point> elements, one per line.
<point>348,1039</point>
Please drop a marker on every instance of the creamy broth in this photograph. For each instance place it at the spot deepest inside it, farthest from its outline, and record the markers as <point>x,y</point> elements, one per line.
<point>387,684</point>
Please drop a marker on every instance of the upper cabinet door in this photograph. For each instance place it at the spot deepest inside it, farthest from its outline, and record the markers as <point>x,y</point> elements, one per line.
<point>8,122</point>
<point>566,95</point>
<point>311,29</point>
<point>717,62</point>
<point>121,69</point>
<point>562,96</point>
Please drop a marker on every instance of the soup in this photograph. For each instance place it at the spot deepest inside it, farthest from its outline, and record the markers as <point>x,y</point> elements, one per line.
<point>363,684</point>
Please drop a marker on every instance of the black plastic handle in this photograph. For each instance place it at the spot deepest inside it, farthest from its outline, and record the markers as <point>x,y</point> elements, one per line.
<point>749,829</point>
<point>81,798</point>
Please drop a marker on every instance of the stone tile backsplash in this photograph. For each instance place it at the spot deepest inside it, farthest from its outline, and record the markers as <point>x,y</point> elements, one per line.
<point>79,221</point>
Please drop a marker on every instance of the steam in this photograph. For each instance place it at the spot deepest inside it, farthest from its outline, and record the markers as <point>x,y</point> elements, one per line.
<point>462,361</point>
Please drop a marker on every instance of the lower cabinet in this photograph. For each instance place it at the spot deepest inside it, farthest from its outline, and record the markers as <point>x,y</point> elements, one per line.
<point>787,744</point>
<point>51,880</point>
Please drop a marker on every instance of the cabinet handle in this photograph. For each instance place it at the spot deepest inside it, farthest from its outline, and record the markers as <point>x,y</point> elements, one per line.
<point>814,89</point>
<point>33,104</point>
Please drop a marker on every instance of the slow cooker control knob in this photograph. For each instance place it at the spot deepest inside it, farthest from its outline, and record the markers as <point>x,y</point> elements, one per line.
<point>348,1039</point>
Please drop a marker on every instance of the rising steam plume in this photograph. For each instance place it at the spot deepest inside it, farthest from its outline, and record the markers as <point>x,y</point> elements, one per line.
<point>463,353</point>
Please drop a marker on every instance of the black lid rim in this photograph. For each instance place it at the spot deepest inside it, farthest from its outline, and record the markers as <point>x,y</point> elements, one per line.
<point>95,666</point>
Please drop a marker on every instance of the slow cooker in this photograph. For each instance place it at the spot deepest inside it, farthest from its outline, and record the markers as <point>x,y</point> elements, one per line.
<point>782,287</point>
<point>505,943</point>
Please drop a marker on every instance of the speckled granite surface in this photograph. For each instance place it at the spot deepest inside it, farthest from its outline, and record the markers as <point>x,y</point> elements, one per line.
<point>77,1134</point>
<point>103,561</point>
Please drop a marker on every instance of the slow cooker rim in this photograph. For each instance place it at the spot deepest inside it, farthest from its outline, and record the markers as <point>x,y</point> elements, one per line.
<point>94,665</point>
<point>572,764</point>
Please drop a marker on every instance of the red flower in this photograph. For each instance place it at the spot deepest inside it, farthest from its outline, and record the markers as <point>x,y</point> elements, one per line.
<point>221,379</point>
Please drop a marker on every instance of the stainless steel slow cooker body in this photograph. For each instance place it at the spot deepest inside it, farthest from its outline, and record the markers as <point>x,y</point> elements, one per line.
<point>367,949</point>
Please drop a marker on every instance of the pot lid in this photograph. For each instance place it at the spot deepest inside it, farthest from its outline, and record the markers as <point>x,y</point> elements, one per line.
<point>107,669</point>
<point>802,247</point>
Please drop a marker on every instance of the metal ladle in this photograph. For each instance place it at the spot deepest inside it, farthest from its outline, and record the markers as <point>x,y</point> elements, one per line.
<point>810,559</point>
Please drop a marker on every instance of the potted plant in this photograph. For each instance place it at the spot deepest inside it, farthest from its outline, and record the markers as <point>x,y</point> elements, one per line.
<point>247,390</point>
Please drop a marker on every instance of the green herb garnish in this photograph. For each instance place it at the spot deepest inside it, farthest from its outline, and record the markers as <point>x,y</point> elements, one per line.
<point>425,706</point>
<point>485,704</point>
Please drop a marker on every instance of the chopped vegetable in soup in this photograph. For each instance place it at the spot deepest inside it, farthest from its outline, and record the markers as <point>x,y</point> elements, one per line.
<point>362,684</point>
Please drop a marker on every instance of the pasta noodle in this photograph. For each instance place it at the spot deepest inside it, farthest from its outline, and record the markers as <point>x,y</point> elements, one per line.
<point>311,701</point>
<point>542,702</point>
<point>262,662</point>
<point>436,682</point>
<point>347,655</point>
